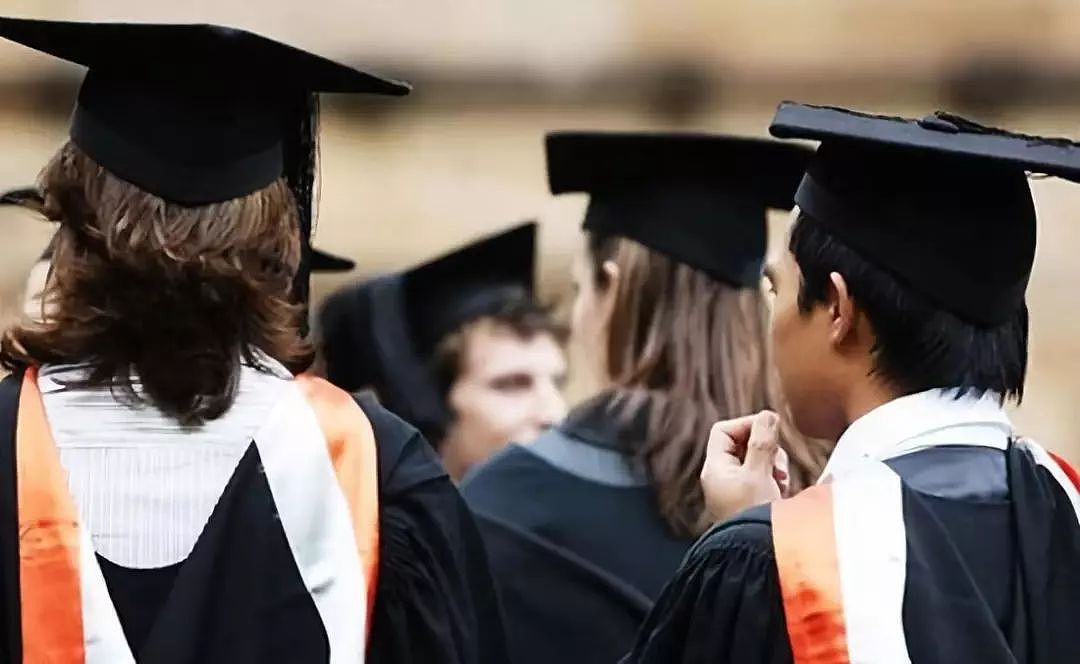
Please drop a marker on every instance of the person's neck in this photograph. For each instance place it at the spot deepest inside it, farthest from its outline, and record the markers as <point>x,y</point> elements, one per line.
<point>865,396</point>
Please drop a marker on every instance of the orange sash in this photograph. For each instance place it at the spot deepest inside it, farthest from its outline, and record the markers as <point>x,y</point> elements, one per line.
<point>49,585</point>
<point>806,560</point>
<point>351,444</point>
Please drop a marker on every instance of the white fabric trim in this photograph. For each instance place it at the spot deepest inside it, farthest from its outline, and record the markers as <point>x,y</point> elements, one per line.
<point>145,486</point>
<point>315,516</point>
<point>103,637</point>
<point>917,422</point>
<point>1043,458</point>
<point>871,549</point>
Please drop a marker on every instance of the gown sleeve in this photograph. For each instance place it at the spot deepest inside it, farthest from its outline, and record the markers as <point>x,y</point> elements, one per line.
<point>435,599</point>
<point>723,605</point>
<point>10,610</point>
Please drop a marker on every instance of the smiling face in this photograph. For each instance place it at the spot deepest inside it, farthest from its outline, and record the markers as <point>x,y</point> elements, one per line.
<point>508,389</point>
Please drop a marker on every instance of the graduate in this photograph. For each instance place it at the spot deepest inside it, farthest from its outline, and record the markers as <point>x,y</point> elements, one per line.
<point>936,534</point>
<point>458,346</point>
<point>586,524</point>
<point>172,487</point>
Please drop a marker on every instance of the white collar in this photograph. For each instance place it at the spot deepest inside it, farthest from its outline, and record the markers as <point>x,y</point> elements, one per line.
<point>919,421</point>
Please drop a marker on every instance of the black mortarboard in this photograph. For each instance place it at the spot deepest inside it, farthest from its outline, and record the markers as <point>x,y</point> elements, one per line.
<point>322,261</point>
<point>943,203</point>
<point>469,282</point>
<point>700,199</point>
<point>381,334</point>
<point>197,114</point>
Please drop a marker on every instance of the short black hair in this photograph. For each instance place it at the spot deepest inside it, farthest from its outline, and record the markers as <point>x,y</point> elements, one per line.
<point>918,345</point>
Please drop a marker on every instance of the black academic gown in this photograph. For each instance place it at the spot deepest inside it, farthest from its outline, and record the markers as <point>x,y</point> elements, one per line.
<point>577,545</point>
<point>238,597</point>
<point>993,573</point>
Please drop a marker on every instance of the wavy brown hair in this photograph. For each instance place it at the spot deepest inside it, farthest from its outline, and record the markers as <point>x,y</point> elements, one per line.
<point>692,350</point>
<point>171,297</point>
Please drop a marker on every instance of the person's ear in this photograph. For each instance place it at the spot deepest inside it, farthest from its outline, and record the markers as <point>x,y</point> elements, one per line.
<point>841,310</point>
<point>606,294</point>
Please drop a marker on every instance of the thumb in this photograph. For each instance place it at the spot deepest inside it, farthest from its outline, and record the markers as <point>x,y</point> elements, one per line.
<point>764,442</point>
<point>726,438</point>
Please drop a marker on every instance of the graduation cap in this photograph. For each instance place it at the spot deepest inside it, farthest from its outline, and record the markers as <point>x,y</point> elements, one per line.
<point>381,334</point>
<point>469,282</point>
<point>197,114</point>
<point>700,199</point>
<point>322,261</point>
<point>942,203</point>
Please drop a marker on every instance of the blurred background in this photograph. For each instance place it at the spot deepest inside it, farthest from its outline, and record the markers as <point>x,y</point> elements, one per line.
<point>403,179</point>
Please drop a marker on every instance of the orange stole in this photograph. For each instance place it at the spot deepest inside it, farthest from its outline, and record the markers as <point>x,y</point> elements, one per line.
<point>806,560</point>
<point>49,585</point>
<point>350,442</point>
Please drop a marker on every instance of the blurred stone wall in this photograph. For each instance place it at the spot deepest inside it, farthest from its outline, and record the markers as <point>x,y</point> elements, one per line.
<point>403,179</point>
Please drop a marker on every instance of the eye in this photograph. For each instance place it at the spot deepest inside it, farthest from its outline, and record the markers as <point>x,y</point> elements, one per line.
<point>512,382</point>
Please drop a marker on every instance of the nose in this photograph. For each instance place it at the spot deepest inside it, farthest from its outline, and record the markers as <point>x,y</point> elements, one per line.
<point>551,408</point>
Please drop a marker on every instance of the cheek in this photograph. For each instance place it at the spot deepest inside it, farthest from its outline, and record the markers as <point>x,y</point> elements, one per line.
<point>789,356</point>
<point>487,412</point>
<point>783,319</point>
<point>798,358</point>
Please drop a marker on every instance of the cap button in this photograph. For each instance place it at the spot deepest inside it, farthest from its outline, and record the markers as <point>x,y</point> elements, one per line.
<point>935,122</point>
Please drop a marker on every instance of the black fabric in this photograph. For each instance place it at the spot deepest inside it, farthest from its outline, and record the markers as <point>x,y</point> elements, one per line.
<point>138,595</point>
<point>723,606</point>
<point>322,261</point>
<point>239,596</point>
<point>577,562</point>
<point>1048,551</point>
<point>700,199</point>
<point>940,132</point>
<point>365,335</point>
<point>193,113</point>
<point>381,334</point>
<point>10,606</point>
<point>172,156</point>
<point>942,202</point>
<point>959,472</point>
<point>435,600</point>
<point>962,601</point>
<point>960,233</point>
<point>559,606</point>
